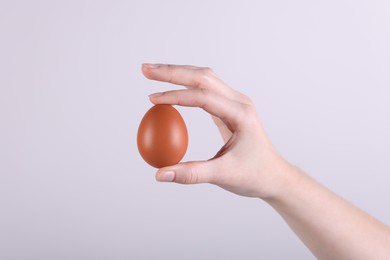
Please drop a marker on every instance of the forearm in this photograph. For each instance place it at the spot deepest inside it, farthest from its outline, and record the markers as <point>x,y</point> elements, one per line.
<point>328,225</point>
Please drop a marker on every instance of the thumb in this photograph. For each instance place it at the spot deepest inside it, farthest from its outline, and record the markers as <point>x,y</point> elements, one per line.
<point>188,172</point>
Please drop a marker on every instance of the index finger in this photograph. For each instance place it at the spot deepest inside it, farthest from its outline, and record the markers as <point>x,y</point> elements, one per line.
<point>232,113</point>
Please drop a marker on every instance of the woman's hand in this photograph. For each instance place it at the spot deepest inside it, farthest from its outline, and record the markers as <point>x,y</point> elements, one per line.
<point>247,164</point>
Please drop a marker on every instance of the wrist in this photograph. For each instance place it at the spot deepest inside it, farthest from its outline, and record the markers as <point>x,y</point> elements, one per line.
<point>285,179</point>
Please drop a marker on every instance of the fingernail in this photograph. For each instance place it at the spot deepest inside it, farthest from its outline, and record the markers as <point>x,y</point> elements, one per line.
<point>151,66</point>
<point>155,95</point>
<point>167,176</point>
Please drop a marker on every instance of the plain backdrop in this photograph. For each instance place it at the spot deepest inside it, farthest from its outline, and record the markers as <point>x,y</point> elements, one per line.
<point>72,184</point>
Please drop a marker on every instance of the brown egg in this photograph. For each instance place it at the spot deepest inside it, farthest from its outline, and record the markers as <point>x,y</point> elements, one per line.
<point>162,136</point>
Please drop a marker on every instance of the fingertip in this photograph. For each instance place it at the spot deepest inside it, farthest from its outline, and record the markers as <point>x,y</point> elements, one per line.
<point>153,98</point>
<point>165,176</point>
<point>154,95</point>
<point>151,65</point>
<point>157,177</point>
<point>146,71</point>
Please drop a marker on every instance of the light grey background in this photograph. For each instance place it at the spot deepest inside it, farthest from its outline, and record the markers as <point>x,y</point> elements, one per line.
<point>72,184</point>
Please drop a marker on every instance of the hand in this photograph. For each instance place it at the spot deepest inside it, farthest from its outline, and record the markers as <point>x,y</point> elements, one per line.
<point>247,164</point>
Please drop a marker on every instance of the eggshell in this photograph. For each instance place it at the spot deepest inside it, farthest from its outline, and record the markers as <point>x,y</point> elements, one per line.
<point>162,137</point>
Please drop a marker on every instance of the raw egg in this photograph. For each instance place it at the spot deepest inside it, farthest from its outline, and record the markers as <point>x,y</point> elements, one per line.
<point>162,137</point>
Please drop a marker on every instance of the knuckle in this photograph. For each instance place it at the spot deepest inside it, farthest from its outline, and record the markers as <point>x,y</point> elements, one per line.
<point>207,71</point>
<point>248,113</point>
<point>206,75</point>
<point>169,73</point>
<point>246,99</point>
<point>249,109</point>
<point>191,177</point>
<point>179,100</point>
<point>204,92</point>
<point>204,95</point>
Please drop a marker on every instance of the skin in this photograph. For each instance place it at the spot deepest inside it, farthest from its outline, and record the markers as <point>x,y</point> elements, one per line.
<point>249,165</point>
